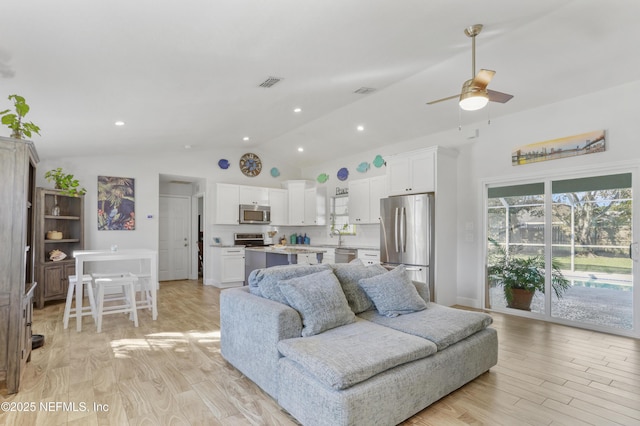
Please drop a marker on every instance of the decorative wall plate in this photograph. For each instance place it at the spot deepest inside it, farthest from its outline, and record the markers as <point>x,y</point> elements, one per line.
<point>363,167</point>
<point>322,177</point>
<point>223,164</point>
<point>343,173</point>
<point>378,161</point>
<point>250,164</point>
<point>275,172</point>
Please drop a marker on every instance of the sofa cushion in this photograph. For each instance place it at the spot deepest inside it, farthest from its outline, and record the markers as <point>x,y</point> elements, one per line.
<point>441,325</point>
<point>347,355</point>
<point>349,274</point>
<point>393,293</point>
<point>319,300</point>
<point>264,282</point>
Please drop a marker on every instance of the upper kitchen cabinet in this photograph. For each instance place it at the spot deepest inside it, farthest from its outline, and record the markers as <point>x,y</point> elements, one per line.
<point>254,195</point>
<point>307,204</point>
<point>278,200</point>
<point>315,206</point>
<point>412,172</point>
<point>227,200</point>
<point>364,199</point>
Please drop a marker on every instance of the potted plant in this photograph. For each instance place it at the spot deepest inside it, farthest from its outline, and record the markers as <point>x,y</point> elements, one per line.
<point>13,120</point>
<point>65,182</point>
<point>521,276</point>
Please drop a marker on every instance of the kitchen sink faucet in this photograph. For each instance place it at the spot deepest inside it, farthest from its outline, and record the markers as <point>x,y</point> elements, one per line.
<point>339,234</point>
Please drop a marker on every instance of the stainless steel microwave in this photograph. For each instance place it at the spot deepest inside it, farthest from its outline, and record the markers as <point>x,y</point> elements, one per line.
<point>253,213</point>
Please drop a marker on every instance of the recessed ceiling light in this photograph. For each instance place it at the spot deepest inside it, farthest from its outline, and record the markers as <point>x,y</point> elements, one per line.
<point>119,123</point>
<point>360,128</point>
<point>246,138</point>
<point>187,147</point>
<point>300,149</point>
<point>297,110</point>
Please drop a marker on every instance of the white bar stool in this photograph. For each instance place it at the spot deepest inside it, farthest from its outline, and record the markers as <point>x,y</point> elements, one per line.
<point>125,283</point>
<point>79,310</point>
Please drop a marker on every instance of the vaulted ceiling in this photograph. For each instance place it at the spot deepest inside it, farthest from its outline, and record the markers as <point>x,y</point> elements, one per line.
<point>188,72</point>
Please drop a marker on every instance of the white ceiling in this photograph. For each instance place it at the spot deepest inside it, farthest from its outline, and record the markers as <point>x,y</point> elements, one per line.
<point>187,72</point>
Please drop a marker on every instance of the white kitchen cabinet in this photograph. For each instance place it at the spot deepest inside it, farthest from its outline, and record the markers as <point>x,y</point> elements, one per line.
<point>369,257</point>
<point>278,200</point>
<point>315,206</point>
<point>254,195</point>
<point>364,199</point>
<point>227,200</point>
<point>228,266</point>
<point>307,205</point>
<point>412,172</point>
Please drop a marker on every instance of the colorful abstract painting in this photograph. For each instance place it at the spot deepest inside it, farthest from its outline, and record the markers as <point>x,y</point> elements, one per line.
<point>116,204</point>
<point>571,146</point>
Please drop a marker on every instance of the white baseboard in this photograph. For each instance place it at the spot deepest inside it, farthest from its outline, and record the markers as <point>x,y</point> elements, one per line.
<point>469,302</point>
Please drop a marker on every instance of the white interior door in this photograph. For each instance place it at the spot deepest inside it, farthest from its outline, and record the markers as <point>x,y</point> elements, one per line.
<point>174,244</point>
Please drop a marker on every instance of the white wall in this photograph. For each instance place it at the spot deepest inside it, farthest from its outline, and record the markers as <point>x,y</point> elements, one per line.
<point>489,158</point>
<point>146,172</point>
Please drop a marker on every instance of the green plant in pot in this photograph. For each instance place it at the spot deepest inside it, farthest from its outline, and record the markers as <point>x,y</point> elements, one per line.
<point>14,119</point>
<point>65,182</point>
<point>521,276</point>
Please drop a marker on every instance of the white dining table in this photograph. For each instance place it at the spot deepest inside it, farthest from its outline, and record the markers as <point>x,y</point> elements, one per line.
<point>83,256</point>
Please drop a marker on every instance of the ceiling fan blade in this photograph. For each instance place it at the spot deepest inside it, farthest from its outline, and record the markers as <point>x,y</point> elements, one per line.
<point>499,96</point>
<point>482,79</point>
<point>443,99</point>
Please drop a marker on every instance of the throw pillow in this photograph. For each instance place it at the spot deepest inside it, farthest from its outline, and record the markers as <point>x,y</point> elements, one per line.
<point>319,300</point>
<point>349,274</point>
<point>264,282</point>
<point>393,293</point>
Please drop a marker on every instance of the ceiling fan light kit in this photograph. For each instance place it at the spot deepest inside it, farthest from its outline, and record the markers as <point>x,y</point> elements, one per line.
<point>472,98</point>
<point>474,94</point>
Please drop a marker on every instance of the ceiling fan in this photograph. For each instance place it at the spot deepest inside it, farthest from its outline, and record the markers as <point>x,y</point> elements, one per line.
<point>474,94</point>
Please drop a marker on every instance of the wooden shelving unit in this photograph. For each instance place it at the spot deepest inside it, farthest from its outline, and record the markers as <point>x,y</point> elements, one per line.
<point>53,276</point>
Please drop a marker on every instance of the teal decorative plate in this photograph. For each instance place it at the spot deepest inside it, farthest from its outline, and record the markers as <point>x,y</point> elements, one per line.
<point>322,177</point>
<point>363,167</point>
<point>378,161</point>
<point>275,172</point>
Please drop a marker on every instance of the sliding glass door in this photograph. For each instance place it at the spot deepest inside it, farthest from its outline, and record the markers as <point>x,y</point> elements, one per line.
<point>567,245</point>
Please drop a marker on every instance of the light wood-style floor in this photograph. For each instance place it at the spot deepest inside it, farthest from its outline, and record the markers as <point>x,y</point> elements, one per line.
<point>170,371</point>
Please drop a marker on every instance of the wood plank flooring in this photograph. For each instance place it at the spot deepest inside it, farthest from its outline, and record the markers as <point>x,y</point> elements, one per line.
<point>170,372</point>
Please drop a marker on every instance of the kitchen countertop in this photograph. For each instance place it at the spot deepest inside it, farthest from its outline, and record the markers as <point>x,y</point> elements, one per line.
<point>286,249</point>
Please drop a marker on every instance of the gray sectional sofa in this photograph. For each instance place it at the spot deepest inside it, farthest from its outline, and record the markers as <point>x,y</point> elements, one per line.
<point>349,344</point>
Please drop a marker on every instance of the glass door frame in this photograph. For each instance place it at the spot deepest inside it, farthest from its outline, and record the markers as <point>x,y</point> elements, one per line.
<point>547,178</point>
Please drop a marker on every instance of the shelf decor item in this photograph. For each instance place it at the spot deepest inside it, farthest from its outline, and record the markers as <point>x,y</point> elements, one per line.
<point>275,172</point>
<point>322,177</point>
<point>13,120</point>
<point>55,210</point>
<point>363,167</point>
<point>65,182</point>
<point>223,164</point>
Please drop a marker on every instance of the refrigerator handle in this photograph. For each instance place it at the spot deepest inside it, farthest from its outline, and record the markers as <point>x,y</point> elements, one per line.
<point>404,229</point>
<point>395,228</point>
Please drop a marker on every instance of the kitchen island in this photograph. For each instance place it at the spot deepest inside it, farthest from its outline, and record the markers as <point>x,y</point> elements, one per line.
<point>266,257</point>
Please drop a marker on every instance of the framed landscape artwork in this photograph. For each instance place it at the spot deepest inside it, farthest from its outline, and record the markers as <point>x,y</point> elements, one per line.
<point>585,143</point>
<point>116,204</point>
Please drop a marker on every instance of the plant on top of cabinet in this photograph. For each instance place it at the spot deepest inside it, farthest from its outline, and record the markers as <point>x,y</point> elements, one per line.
<point>14,120</point>
<point>65,182</point>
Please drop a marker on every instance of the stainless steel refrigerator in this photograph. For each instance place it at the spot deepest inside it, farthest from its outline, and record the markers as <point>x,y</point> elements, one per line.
<point>406,235</point>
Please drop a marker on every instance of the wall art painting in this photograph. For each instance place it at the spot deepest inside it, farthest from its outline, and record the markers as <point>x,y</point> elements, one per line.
<point>571,146</point>
<point>116,204</point>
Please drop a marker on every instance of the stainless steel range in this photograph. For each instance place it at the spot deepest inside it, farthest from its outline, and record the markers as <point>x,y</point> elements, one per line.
<point>249,240</point>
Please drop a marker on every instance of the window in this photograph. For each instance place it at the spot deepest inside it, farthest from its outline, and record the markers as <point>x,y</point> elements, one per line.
<point>567,241</point>
<point>340,216</point>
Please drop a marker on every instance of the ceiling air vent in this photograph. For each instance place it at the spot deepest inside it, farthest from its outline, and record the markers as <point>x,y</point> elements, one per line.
<point>365,90</point>
<point>270,81</point>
